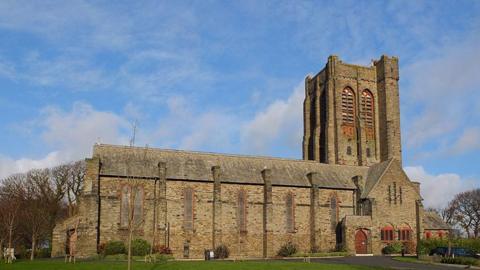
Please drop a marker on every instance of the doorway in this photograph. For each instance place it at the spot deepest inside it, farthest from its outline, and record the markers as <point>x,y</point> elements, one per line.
<point>361,242</point>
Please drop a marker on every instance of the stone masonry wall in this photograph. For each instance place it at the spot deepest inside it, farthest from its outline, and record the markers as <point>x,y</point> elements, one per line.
<point>241,244</point>
<point>259,237</point>
<point>394,214</point>
<point>326,138</point>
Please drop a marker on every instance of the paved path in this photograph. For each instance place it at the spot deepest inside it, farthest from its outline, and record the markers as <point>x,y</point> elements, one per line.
<point>384,261</point>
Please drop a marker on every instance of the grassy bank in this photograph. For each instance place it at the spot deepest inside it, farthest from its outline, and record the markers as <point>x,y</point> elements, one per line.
<point>190,265</point>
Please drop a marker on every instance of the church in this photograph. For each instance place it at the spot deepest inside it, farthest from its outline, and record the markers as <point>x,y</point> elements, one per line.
<point>349,192</point>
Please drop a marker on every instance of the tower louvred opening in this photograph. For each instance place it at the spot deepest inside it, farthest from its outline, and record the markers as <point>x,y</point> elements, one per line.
<point>348,107</point>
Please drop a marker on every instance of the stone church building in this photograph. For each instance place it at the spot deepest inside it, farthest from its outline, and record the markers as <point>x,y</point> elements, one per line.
<point>349,192</point>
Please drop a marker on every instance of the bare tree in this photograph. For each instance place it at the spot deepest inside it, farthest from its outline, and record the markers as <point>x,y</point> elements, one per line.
<point>464,211</point>
<point>75,185</point>
<point>39,197</point>
<point>134,195</point>
<point>448,214</point>
<point>10,204</point>
<point>34,207</point>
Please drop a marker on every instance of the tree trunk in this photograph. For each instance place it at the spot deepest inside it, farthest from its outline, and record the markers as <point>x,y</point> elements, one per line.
<point>129,267</point>
<point>34,243</point>
<point>10,232</point>
<point>468,232</point>
<point>154,218</point>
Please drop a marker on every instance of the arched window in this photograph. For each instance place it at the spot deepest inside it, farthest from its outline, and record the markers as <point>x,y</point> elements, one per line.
<point>137,204</point>
<point>290,212</point>
<point>124,206</point>
<point>131,205</point>
<point>242,211</point>
<point>405,233</point>
<point>348,107</point>
<point>334,211</point>
<point>188,209</point>
<point>386,234</point>
<point>428,235</point>
<point>367,108</point>
<point>440,234</point>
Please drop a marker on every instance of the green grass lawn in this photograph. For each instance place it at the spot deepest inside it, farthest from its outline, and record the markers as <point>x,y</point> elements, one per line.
<point>410,259</point>
<point>198,265</point>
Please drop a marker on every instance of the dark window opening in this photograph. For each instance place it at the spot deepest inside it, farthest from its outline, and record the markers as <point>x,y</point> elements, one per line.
<point>395,192</point>
<point>290,213</point>
<point>188,209</point>
<point>349,150</point>
<point>401,195</point>
<point>186,249</point>
<point>242,211</point>
<point>386,234</point>
<point>333,211</point>
<point>389,194</point>
<point>404,235</point>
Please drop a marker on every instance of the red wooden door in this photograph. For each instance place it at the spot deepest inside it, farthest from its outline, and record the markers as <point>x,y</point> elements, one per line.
<point>360,242</point>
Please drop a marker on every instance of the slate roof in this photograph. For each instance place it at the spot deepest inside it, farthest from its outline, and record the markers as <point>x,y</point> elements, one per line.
<point>375,172</point>
<point>196,166</point>
<point>432,221</point>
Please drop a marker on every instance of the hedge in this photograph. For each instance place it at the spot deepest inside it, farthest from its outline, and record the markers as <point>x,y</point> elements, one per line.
<point>427,245</point>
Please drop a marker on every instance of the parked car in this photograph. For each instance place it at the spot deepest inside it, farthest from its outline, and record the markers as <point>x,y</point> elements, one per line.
<point>456,251</point>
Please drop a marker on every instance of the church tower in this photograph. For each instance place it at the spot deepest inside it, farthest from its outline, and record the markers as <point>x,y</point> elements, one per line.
<point>352,113</point>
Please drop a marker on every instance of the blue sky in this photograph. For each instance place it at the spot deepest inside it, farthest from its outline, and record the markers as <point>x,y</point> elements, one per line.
<point>227,76</point>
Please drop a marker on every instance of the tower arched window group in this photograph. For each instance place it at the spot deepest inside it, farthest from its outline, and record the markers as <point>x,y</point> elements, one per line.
<point>367,112</point>
<point>367,107</point>
<point>348,107</point>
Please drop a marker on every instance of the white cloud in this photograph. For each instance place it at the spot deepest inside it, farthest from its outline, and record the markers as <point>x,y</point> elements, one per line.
<point>59,21</point>
<point>211,131</point>
<point>9,166</point>
<point>441,90</point>
<point>184,128</point>
<point>7,70</point>
<point>136,51</point>
<point>77,130</point>
<point>438,190</point>
<point>71,134</point>
<point>468,141</point>
<point>280,123</point>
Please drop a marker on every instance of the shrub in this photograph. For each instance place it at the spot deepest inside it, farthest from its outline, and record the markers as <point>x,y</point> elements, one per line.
<point>315,249</point>
<point>114,247</point>
<point>392,248</point>
<point>101,249</point>
<point>460,260</point>
<point>221,252</point>
<point>426,246</point>
<point>43,253</point>
<point>410,247</point>
<point>287,250</point>
<point>22,253</point>
<point>140,247</point>
<point>162,249</point>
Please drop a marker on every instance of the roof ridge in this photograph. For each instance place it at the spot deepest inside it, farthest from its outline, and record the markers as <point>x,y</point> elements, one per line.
<point>205,153</point>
